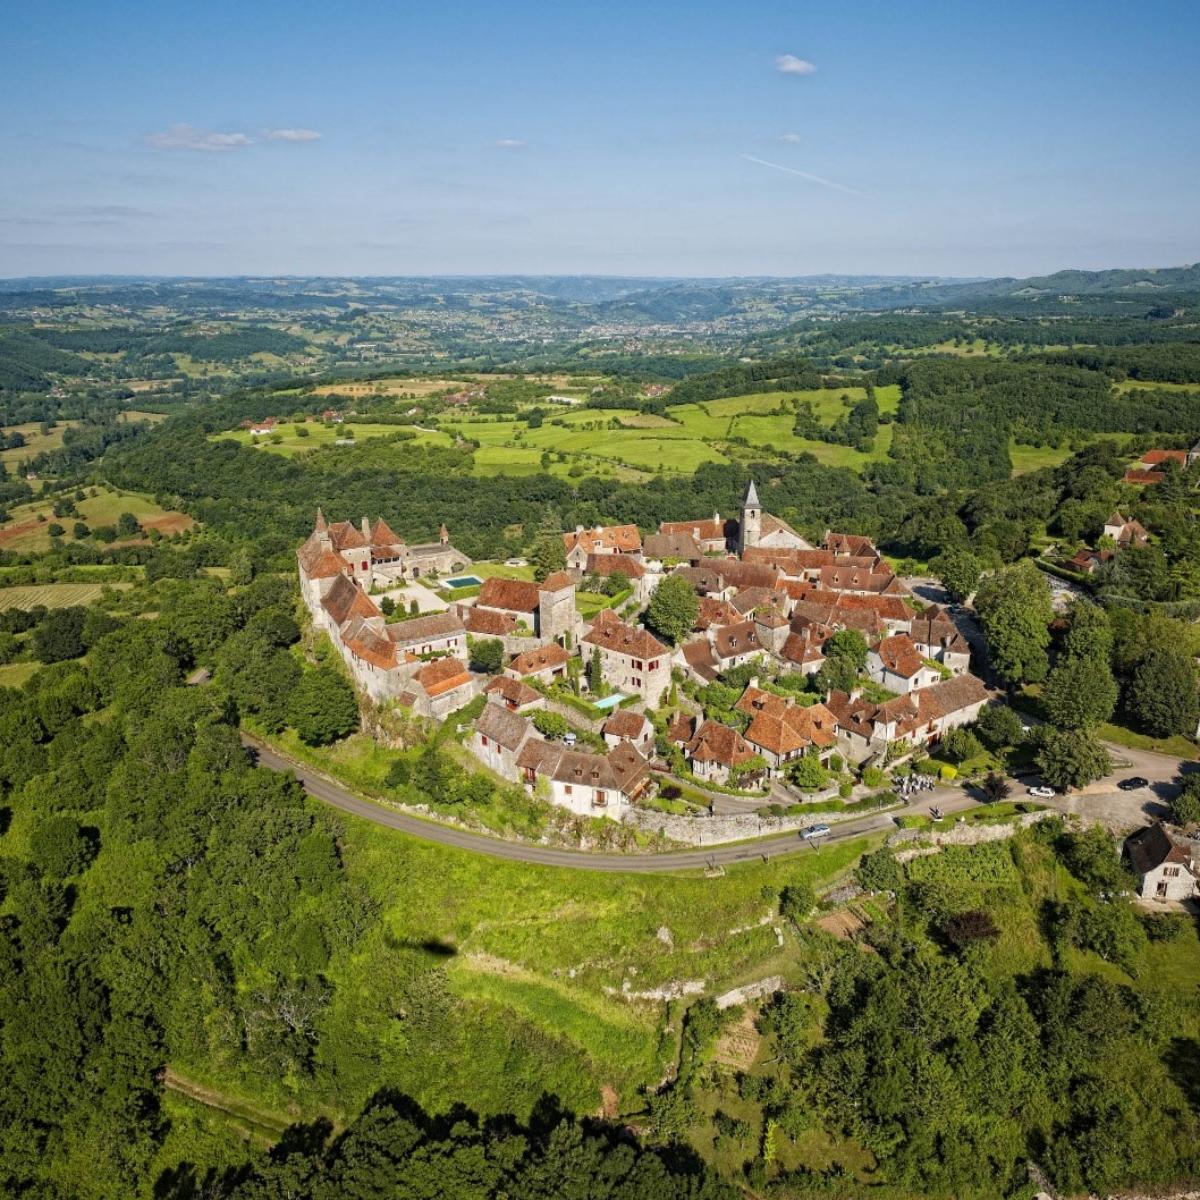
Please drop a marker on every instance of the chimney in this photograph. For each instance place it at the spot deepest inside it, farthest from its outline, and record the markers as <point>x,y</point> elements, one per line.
<point>321,526</point>
<point>716,517</point>
<point>753,682</point>
<point>444,535</point>
<point>366,529</point>
<point>578,528</point>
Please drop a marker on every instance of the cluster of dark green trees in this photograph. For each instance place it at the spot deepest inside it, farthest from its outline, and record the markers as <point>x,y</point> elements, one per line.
<point>164,901</point>
<point>956,1075</point>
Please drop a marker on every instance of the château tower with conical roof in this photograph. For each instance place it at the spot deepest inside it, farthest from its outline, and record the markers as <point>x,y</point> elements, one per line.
<point>750,526</point>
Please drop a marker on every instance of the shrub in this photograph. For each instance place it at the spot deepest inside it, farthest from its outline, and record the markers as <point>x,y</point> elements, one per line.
<point>550,724</point>
<point>796,901</point>
<point>947,773</point>
<point>873,777</point>
<point>880,872</point>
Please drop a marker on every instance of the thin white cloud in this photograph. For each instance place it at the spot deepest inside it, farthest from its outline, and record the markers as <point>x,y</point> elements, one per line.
<point>188,137</point>
<point>511,144</point>
<point>292,135</point>
<point>789,64</point>
<point>829,183</point>
<point>790,137</point>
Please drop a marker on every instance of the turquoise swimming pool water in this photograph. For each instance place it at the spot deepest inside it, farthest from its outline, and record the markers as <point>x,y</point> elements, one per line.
<point>464,581</point>
<point>609,701</point>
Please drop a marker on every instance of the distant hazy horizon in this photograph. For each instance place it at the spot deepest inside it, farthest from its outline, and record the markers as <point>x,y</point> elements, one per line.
<point>674,140</point>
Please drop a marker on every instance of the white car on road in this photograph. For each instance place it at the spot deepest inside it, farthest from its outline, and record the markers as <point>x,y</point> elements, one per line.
<point>1042,793</point>
<point>814,831</point>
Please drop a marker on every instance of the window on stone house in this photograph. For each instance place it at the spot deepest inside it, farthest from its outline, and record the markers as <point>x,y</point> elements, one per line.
<point>483,738</point>
<point>566,789</point>
<point>1171,872</point>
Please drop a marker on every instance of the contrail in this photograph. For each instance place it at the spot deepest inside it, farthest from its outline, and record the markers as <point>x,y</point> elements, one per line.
<point>841,187</point>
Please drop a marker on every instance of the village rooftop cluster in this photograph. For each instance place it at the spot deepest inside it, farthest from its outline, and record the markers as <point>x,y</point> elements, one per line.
<point>765,596</point>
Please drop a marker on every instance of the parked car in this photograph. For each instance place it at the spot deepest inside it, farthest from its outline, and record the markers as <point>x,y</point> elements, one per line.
<point>814,831</point>
<point>1042,793</point>
<point>1133,783</point>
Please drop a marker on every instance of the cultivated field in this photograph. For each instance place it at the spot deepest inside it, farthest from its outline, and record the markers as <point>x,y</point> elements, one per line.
<point>54,595</point>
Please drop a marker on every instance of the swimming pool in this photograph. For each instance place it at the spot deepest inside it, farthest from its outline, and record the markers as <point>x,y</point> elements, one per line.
<point>464,581</point>
<point>608,701</point>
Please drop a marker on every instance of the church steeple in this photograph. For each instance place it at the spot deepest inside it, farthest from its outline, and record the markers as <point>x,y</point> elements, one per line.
<point>750,526</point>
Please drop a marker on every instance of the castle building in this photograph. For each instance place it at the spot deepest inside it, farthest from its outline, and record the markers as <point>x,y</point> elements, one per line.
<point>369,554</point>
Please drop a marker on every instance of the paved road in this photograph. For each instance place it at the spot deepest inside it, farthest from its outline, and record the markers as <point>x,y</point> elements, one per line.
<point>334,794</point>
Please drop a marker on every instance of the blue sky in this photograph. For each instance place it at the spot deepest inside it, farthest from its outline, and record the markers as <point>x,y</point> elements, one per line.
<point>953,138</point>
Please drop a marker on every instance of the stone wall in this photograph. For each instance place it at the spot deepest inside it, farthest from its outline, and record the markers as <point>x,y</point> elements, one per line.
<point>927,841</point>
<point>702,830</point>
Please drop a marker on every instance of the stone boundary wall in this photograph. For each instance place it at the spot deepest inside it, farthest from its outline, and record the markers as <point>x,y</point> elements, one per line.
<point>736,827</point>
<point>927,841</point>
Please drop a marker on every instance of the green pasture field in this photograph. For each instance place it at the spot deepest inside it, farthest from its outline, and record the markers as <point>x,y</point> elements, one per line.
<point>1034,458</point>
<point>517,932</point>
<point>24,531</point>
<point>35,441</point>
<point>15,675</point>
<point>319,435</point>
<point>54,595</point>
<point>1144,385</point>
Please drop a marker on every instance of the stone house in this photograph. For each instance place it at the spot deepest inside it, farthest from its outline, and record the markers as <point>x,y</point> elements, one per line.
<point>498,738</point>
<point>546,610</point>
<point>782,731</point>
<point>545,663</point>
<point>513,694</point>
<point>601,539</point>
<point>1125,532</point>
<point>714,750</point>
<point>866,729</point>
<point>590,785</point>
<point>632,727</point>
<point>632,659</point>
<point>898,664</point>
<point>438,688</point>
<point>1165,864</point>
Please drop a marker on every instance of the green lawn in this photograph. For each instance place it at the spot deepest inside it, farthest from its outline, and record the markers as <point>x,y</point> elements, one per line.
<point>1176,747</point>
<point>35,441</point>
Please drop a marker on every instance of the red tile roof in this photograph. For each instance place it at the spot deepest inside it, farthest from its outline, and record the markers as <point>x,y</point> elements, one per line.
<point>717,743</point>
<point>489,622</point>
<point>622,539</point>
<point>781,727</point>
<point>513,690</point>
<point>625,639</point>
<point>515,595</point>
<point>443,675</point>
<point>1155,458</point>
<point>626,724</point>
<point>557,580</point>
<point>605,565</point>
<point>900,656</point>
<point>544,658</point>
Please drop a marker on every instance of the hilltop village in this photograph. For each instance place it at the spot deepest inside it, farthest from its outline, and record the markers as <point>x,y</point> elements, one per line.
<point>765,598</point>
